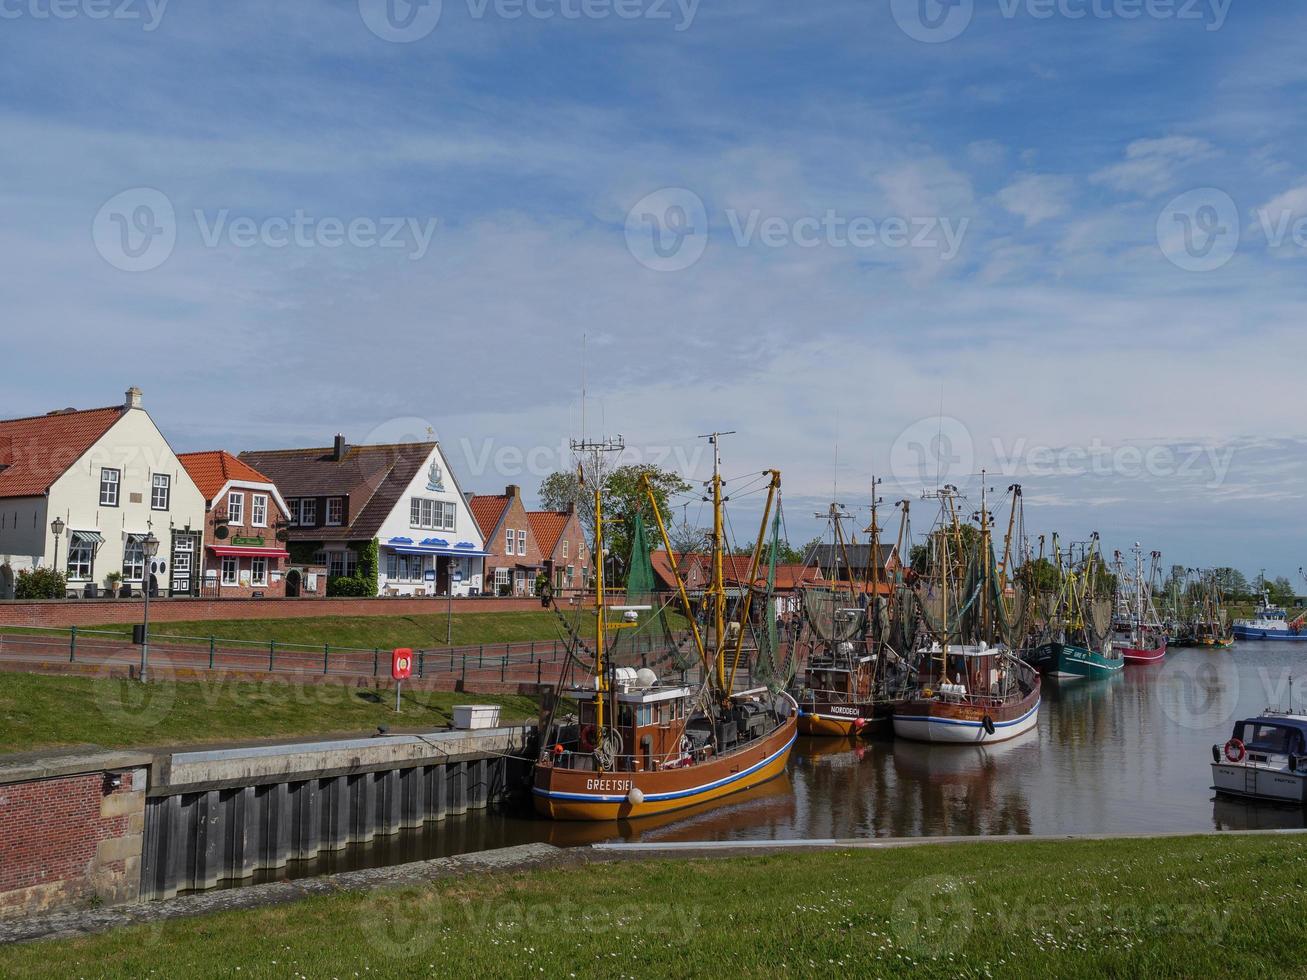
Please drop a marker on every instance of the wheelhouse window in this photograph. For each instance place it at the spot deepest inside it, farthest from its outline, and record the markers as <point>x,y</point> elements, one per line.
<point>160,491</point>
<point>110,481</point>
<point>230,570</point>
<point>235,508</point>
<point>134,559</point>
<point>81,559</point>
<point>335,511</point>
<point>259,571</point>
<point>259,510</point>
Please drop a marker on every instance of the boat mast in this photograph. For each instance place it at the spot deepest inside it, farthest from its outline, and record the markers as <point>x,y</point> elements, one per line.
<point>717,589</point>
<point>602,687</point>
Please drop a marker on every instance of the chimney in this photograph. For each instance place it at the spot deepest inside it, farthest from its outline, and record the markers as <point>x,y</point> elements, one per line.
<point>133,398</point>
<point>338,453</point>
<point>512,490</point>
<point>571,506</point>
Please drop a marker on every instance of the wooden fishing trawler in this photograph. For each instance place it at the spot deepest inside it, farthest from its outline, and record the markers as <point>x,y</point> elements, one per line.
<point>640,746</point>
<point>979,691</point>
<point>1137,631</point>
<point>1066,647</point>
<point>853,676</point>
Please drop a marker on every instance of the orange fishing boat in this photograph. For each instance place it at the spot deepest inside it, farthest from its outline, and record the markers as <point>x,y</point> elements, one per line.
<point>640,747</point>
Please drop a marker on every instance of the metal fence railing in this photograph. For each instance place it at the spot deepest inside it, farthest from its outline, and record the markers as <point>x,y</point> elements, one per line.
<point>517,660</point>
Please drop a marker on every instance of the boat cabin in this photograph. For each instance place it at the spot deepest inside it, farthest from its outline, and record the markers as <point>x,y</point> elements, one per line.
<point>1266,736</point>
<point>651,722</point>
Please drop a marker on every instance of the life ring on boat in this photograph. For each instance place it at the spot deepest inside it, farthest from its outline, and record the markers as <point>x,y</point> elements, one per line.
<point>588,734</point>
<point>1234,750</point>
<point>987,723</point>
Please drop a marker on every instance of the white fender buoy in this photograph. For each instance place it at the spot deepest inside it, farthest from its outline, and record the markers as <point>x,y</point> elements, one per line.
<point>636,796</point>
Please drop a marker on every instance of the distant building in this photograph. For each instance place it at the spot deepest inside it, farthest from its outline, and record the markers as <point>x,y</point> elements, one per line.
<point>242,553</point>
<point>514,557</point>
<point>696,572</point>
<point>855,560</point>
<point>560,539</point>
<point>405,497</point>
<point>109,478</point>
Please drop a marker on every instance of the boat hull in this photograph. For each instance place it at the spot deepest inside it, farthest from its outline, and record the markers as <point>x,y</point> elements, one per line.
<point>846,720</point>
<point>1138,655</point>
<point>1068,662</point>
<point>950,722</point>
<point>1258,782</point>
<point>1280,636</point>
<point>572,794</point>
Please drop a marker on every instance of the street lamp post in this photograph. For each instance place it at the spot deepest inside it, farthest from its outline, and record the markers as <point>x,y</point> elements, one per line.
<point>57,529</point>
<point>150,547</point>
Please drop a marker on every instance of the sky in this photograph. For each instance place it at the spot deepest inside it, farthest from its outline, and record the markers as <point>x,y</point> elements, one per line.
<point>1062,242</point>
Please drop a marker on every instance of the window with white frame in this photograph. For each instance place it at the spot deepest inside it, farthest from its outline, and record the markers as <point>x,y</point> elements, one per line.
<point>258,571</point>
<point>521,542</point>
<point>134,559</point>
<point>564,549</point>
<point>501,576</point>
<point>335,511</point>
<point>308,512</point>
<point>342,563</point>
<point>569,576</point>
<point>183,555</point>
<point>81,558</point>
<point>160,491</point>
<point>259,509</point>
<point>293,511</point>
<point>433,515</point>
<point>320,556</point>
<point>230,570</point>
<point>235,508</point>
<point>110,481</point>
<point>392,566</point>
<point>509,538</point>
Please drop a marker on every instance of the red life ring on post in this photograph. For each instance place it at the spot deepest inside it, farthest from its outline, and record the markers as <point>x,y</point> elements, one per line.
<point>588,737</point>
<point>1234,750</point>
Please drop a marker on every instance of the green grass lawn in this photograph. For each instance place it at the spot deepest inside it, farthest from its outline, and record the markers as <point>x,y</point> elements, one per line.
<point>1167,908</point>
<point>39,711</point>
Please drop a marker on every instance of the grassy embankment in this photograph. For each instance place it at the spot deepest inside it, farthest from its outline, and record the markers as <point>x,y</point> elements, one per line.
<point>1175,907</point>
<point>43,711</point>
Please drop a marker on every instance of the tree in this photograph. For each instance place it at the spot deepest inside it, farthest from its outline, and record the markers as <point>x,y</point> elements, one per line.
<point>687,538</point>
<point>1231,582</point>
<point>624,497</point>
<point>1281,591</point>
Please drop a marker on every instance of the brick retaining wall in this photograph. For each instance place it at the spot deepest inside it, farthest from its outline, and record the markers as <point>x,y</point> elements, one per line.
<point>93,612</point>
<point>68,838</point>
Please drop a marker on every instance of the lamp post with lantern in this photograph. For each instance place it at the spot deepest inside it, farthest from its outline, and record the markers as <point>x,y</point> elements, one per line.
<point>57,529</point>
<point>150,547</point>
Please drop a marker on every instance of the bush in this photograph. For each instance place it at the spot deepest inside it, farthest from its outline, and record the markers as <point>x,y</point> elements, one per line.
<point>40,583</point>
<point>350,586</point>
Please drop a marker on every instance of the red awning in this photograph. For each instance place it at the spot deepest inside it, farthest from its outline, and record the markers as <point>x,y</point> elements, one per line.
<point>228,551</point>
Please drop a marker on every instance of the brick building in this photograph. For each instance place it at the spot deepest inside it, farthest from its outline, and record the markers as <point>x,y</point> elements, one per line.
<point>561,543</point>
<point>244,516</point>
<point>513,556</point>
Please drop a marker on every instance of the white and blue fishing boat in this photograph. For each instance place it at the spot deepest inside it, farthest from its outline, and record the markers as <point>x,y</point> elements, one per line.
<point>1271,623</point>
<point>1264,759</point>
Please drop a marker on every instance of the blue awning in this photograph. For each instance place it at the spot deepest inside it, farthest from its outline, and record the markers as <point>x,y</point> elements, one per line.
<point>417,549</point>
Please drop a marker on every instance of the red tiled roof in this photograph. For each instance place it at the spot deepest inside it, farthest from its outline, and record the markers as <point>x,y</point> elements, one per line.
<point>488,509</point>
<point>735,569</point>
<point>211,471</point>
<point>548,527</point>
<point>34,452</point>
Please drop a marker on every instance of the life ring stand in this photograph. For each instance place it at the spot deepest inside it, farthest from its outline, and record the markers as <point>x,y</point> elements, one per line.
<point>1235,750</point>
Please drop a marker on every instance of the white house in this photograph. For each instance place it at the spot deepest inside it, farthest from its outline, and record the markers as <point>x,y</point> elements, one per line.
<point>403,496</point>
<point>81,490</point>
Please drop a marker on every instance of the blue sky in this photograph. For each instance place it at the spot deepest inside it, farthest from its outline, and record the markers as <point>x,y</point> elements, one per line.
<point>1051,237</point>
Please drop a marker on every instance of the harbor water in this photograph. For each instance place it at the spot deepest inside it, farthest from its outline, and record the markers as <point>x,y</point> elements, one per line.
<point>1130,754</point>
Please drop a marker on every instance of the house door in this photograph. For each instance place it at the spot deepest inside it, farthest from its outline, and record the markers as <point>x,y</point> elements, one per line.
<point>443,563</point>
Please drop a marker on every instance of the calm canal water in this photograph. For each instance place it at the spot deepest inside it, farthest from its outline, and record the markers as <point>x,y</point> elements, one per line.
<point>1130,754</point>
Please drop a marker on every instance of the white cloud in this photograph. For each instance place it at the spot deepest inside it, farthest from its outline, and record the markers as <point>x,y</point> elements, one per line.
<point>1151,165</point>
<point>1037,197</point>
